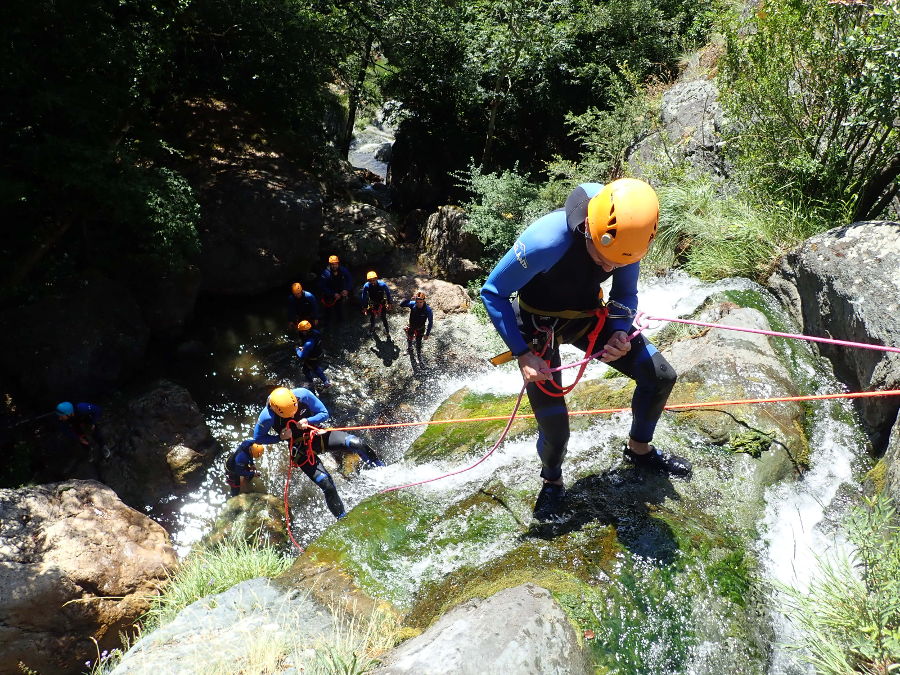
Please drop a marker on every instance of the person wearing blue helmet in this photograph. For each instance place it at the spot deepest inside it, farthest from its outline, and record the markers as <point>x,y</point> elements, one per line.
<point>79,421</point>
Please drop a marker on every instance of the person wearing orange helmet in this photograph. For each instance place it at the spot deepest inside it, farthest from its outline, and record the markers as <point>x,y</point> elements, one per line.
<point>376,299</point>
<point>310,353</point>
<point>293,415</point>
<point>240,467</point>
<point>335,284</point>
<point>556,266</point>
<point>421,319</point>
<point>302,306</point>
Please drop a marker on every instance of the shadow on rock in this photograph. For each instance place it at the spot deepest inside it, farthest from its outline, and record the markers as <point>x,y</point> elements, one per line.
<point>624,498</point>
<point>386,350</point>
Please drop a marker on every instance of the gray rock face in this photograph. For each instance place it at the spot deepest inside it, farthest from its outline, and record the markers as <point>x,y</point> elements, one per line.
<point>359,234</point>
<point>691,123</point>
<point>229,631</point>
<point>519,630</point>
<point>444,297</point>
<point>161,445</point>
<point>892,459</point>
<point>74,346</point>
<point>447,250</point>
<point>257,231</point>
<point>845,284</point>
<point>75,563</point>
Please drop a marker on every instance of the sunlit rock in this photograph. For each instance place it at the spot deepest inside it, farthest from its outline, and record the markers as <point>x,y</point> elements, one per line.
<point>845,284</point>
<point>253,517</point>
<point>75,564</point>
<point>520,630</point>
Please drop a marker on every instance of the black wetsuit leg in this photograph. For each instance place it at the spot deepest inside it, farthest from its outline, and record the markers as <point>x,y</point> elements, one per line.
<point>318,475</point>
<point>341,440</point>
<point>553,424</point>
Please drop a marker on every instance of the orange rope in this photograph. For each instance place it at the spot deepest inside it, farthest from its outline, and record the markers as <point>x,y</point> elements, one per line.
<point>677,406</point>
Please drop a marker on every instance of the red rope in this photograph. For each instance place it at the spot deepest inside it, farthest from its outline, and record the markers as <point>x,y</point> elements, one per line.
<point>592,340</point>
<point>489,453</point>
<point>310,434</point>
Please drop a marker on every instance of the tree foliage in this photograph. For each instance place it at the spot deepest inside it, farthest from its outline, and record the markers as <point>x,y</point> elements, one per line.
<point>816,87</point>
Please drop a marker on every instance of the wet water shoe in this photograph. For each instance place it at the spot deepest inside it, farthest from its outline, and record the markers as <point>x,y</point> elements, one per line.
<point>659,461</point>
<point>549,502</point>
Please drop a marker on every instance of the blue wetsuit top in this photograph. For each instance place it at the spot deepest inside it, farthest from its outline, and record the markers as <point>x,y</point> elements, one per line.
<point>334,282</point>
<point>309,407</point>
<point>550,267</point>
<point>311,347</point>
<point>419,317</point>
<point>368,290</point>
<point>84,417</point>
<point>243,460</point>
<point>305,306</point>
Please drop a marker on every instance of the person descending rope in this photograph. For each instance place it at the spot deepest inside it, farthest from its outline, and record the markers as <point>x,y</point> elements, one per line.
<point>79,421</point>
<point>290,415</point>
<point>376,300</point>
<point>335,283</point>
<point>240,467</point>
<point>302,306</point>
<point>557,265</point>
<point>421,319</point>
<point>310,353</point>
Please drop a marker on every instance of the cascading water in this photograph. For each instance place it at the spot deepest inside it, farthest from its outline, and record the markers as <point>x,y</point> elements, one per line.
<point>374,382</point>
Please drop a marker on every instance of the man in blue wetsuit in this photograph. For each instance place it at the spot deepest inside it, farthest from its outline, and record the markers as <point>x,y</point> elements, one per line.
<point>302,305</point>
<point>421,319</point>
<point>287,416</point>
<point>310,353</point>
<point>557,265</point>
<point>376,301</point>
<point>79,421</point>
<point>240,466</point>
<point>335,283</point>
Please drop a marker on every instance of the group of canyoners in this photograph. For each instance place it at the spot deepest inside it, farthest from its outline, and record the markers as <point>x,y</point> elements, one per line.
<point>544,292</point>
<point>307,313</point>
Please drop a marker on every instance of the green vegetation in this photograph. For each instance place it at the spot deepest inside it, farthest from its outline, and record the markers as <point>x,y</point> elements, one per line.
<point>814,84</point>
<point>207,571</point>
<point>850,616</point>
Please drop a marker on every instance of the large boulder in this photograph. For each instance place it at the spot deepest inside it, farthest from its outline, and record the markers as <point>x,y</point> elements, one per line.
<point>448,250</point>
<point>359,233</point>
<point>258,229</point>
<point>690,125</point>
<point>232,632</point>
<point>509,632</point>
<point>444,297</point>
<point>161,445</point>
<point>75,345</point>
<point>845,284</point>
<point>75,564</point>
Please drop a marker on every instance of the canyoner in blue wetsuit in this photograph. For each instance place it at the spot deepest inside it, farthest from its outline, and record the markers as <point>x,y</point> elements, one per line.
<point>240,466</point>
<point>421,319</point>
<point>310,353</point>
<point>302,306</point>
<point>80,422</point>
<point>287,416</point>
<point>376,301</point>
<point>335,284</point>
<point>557,265</point>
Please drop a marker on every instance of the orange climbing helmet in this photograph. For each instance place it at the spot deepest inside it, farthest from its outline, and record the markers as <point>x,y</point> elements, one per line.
<point>333,259</point>
<point>283,402</point>
<point>622,220</point>
<point>371,276</point>
<point>304,326</point>
<point>297,289</point>
<point>419,295</point>
<point>256,450</point>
